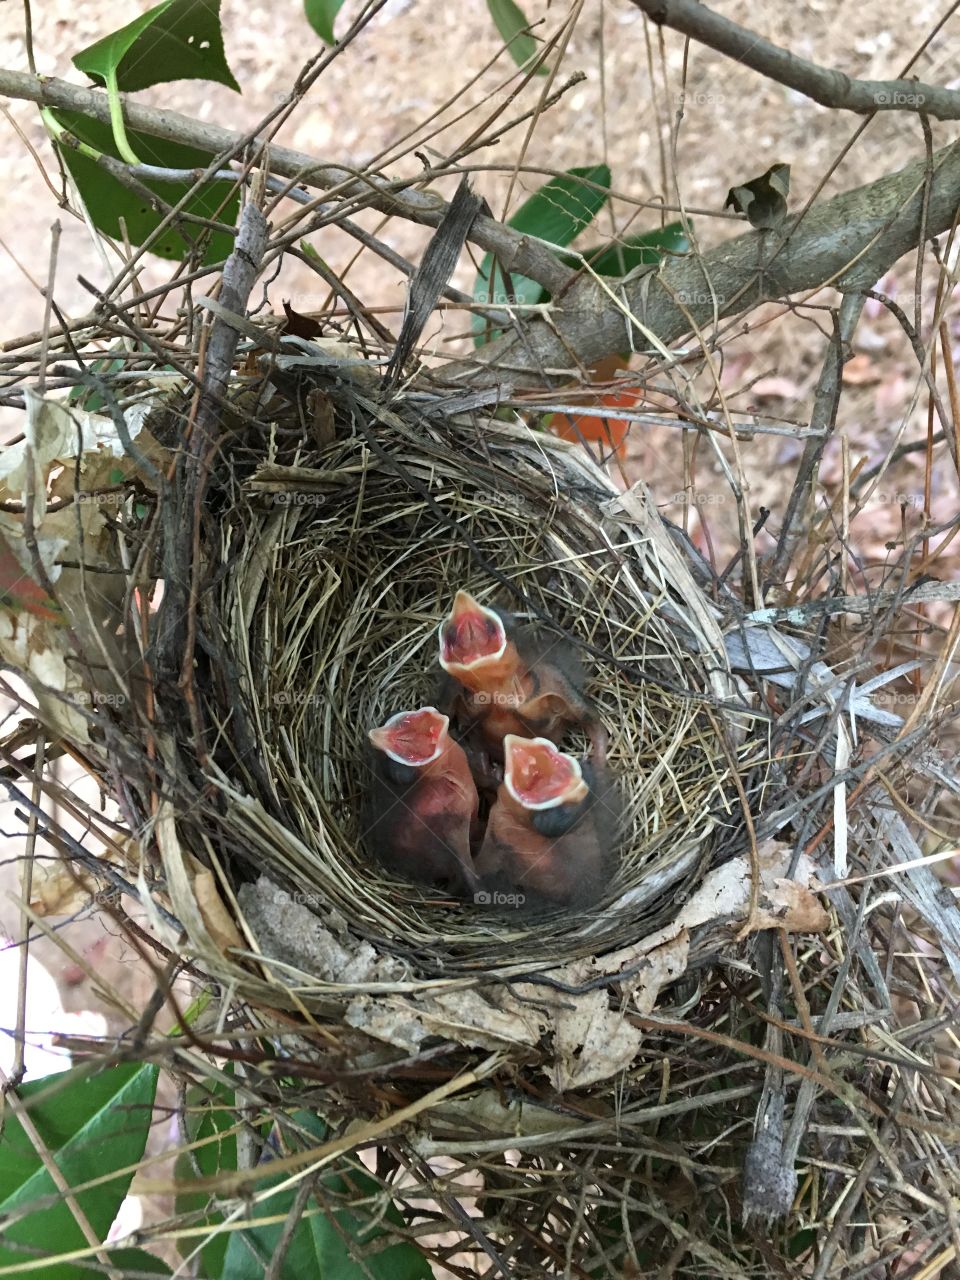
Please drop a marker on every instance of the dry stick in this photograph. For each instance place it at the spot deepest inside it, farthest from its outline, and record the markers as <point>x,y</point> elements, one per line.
<point>829,88</point>
<point>363,237</point>
<point>175,626</point>
<point>848,146</point>
<point>314,67</point>
<point>948,368</point>
<point>852,238</point>
<point>848,241</point>
<point>73,846</point>
<point>768,1184</point>
<point>294,1217</point>
<point>353,305</point>
<point>524,254</point>
<point>478,139</point>
<point>823,419</point>
<point>124,174</point>
<point>562,37</point>
<point>927,373</point>
<point>852,1198</point>
<point>436,268</point>
<point>845,1093</point>
<point>26,890</point>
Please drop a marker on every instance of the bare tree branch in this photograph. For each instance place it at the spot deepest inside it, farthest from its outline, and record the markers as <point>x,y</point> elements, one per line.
<point>848,242</point>
<point>518,253</point>
<point>828,87</point>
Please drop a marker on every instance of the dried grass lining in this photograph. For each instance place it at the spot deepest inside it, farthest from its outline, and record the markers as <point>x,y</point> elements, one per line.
<point>332,576</point>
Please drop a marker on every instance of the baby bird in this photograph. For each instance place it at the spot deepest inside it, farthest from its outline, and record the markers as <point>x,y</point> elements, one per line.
<point>422,803</point>
<point>507,678</point>
<point>551,831</point>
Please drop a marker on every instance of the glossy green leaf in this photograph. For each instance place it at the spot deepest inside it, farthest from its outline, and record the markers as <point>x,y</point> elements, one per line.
<point>321,15</point>
<point>319,1247</point>
<point>92,1124</point>
<point>512,25</point>
<point>558,212</point>
<point>175,40</point>
<point>108,200</point>
<point>564,206</point>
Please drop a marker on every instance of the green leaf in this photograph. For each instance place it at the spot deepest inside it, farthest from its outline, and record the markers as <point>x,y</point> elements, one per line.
<point>319,1244</point>
<point>92,1124</point>
<point>108,200</point>
<point>512,25</point>
<point>175,40</point>
<point>88,398</point>
<point>621,256</point>
<point>321,14</point>
<point>800,1242</point>
<point>558,212</point>
<point>131,1261</point>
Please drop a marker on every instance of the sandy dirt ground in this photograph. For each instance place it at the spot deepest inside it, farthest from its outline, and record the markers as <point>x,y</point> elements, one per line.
<point>406,69</point>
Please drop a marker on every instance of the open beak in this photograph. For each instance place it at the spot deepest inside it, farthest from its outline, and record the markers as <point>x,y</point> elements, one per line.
<point>539,776</point>
<point>470,635</point>
<point>412,737</point>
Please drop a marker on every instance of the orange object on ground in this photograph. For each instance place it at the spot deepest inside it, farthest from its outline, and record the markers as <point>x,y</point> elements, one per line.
<point>609,433</point>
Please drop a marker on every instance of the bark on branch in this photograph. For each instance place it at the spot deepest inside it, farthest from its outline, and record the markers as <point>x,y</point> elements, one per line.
<point>830,88</point>
<point>518,253</point>
<point>849,242</point>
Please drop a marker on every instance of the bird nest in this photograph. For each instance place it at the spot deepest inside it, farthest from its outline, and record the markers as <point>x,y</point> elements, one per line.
<point>336,530</point>
<point>331,537</point>
<point>329,568</point>
<point>340,568</point>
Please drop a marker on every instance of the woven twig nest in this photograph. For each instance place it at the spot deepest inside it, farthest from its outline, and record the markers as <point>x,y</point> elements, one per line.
<point>326,567</point>
<point>332,575</point>
<point>335,528</point>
